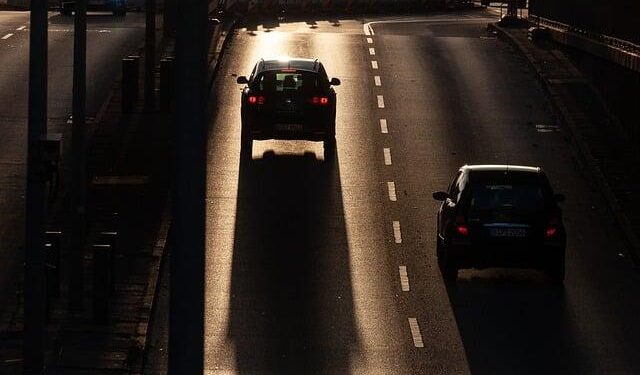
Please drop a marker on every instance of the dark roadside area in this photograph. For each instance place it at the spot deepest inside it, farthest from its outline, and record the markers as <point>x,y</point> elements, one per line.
<point>129,165</point>
<point>595,126</point>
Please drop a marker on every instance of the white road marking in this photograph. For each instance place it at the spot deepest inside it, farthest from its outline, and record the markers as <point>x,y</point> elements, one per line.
<point>374,64</point>
<point>383,126</point>
<point>367,29</point>
<point>415,333</point>
<point>372,51</point>
<point>387,156</point>
<point>404,279</point>
<point>397,234</point>
<point>370,40</point>
<point>377,81</point>
<point>21,28</point>
<point>380,101</point>
<point>391,186</point>
<point>7,36</point>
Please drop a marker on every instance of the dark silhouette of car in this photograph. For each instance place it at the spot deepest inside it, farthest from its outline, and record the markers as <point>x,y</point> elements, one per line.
<point>117,7</point>
<point>288,98</point>
<point>500,216</point>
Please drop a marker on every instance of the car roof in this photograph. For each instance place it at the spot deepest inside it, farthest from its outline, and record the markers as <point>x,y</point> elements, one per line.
<point>499,168</point>
<point>310,65</point>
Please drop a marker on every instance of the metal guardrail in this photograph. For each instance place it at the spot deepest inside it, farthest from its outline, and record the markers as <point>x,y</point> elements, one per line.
<point>609,41</point>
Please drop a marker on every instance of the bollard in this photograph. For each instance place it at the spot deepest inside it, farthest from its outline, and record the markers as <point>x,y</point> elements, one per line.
<point>111,239</point>
<point>136,69</point>
<point>130,76</point>
<point>101,282</point>
<point>166,84</point>
<point>53,243</point>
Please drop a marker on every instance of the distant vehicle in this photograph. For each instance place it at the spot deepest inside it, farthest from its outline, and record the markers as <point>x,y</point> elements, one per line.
<point>289,98</point>
<point>500,216</point>
<point>117,7</point>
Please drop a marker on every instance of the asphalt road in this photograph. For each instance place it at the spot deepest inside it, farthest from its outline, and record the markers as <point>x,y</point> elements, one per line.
<point>328,266</point>
<point>108,40</point>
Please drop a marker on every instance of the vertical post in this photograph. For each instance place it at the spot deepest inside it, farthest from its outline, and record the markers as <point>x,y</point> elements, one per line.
<point>169,17</point>
<point>512,8</point>
<point>34,273</point>
<point>150,55</point>
<point>78,173</point>
<point>186,325</point>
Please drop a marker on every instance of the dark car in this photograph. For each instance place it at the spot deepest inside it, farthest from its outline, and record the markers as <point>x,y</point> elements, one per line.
<point>290,98</point>
<point>500,216</point>
<point>117,7</point>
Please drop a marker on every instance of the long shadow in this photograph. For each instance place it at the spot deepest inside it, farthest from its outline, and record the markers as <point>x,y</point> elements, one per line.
<point>291,296</point>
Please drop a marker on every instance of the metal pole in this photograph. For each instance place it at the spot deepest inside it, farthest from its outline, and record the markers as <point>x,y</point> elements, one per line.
<point>78,164</point>
<point>186,324</point>
<point>34,273</point>
<point>150,55</point>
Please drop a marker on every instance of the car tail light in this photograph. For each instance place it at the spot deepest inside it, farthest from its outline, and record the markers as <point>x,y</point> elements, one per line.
<point>552,229</point>
<point>461,226</point>
<point>253,100</point>
<point>320,100</point>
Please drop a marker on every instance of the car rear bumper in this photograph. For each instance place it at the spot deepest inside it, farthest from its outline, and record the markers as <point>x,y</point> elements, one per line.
<point>467,255</point>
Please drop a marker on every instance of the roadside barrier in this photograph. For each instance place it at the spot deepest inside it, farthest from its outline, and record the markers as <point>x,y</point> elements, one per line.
<point>130,84</point>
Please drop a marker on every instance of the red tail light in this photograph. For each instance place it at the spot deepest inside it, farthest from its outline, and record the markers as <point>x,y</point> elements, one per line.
<point>320,100</point>
<point>253,100</point>
<point>461,226</point>
<point>552,229</point>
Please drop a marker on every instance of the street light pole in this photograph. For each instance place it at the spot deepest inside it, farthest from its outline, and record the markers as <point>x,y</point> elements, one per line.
<point>186,322</point>
<point>78,163</point>
<point>34,279</point>
<point>150,54</point>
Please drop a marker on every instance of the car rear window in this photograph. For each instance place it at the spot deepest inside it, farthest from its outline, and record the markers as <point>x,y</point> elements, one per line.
<point>521,192</point>
<point>287,81</point>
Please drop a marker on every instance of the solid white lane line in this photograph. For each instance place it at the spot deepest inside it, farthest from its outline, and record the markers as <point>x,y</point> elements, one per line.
<point>377,81</point>
<point>380,101</point>
<point>369,40</point>
<point>372,51</point>
<point>387,156</point>
<point>415,333</point>
<point>397,234</point>
<point>391,186</point>
<point>374,64</point>
<point>21,28</point>
<point>404,279</point>
<point>7,36</point>
<point>383,126</point>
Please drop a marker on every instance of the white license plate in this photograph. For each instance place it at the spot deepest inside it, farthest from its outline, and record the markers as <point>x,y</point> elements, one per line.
<point>508,232</point>
<point>289,127</point>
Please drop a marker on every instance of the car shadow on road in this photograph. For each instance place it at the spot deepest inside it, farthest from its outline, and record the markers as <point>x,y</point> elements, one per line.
<point>515,325</point>
<point>291,299</point>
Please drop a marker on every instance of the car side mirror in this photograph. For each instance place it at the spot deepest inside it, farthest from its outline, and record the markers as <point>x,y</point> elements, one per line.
<point>335,82</point>
<point>242,80</point>
<point>559,198</point>
<point>440,196</point>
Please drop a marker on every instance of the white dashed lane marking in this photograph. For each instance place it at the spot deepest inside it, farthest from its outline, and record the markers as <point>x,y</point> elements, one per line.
<point>383,126</point>
<point>404,278</point>
<point>369,40</point>
<point>21,28</point>
<point>380,101</point>
<point>372,51</point>
<point>374,64</point>
<point>7,36</point>
<point>397,234</point>
<point>377,81</point>
<point>387,156</point>
<point>415,333</point>
<point>391,186</point>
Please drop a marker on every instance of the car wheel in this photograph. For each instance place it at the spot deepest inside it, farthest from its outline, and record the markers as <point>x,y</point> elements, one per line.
<point>329,145</point>
<point>448,267</point>
<point>246,142</point>
<point>556,272</point>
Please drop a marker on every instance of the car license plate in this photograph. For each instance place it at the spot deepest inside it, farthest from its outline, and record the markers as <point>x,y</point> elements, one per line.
<point>508,232</point>
<point>289,127</point>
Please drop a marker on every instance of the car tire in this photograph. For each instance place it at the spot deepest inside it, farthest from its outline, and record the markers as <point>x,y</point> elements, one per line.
<point>246,142</point>
<point>329,145</point>
<point>448,267</point>
<point>556,272</point>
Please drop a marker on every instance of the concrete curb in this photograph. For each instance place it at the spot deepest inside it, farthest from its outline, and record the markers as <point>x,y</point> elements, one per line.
<point>585,158</point>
